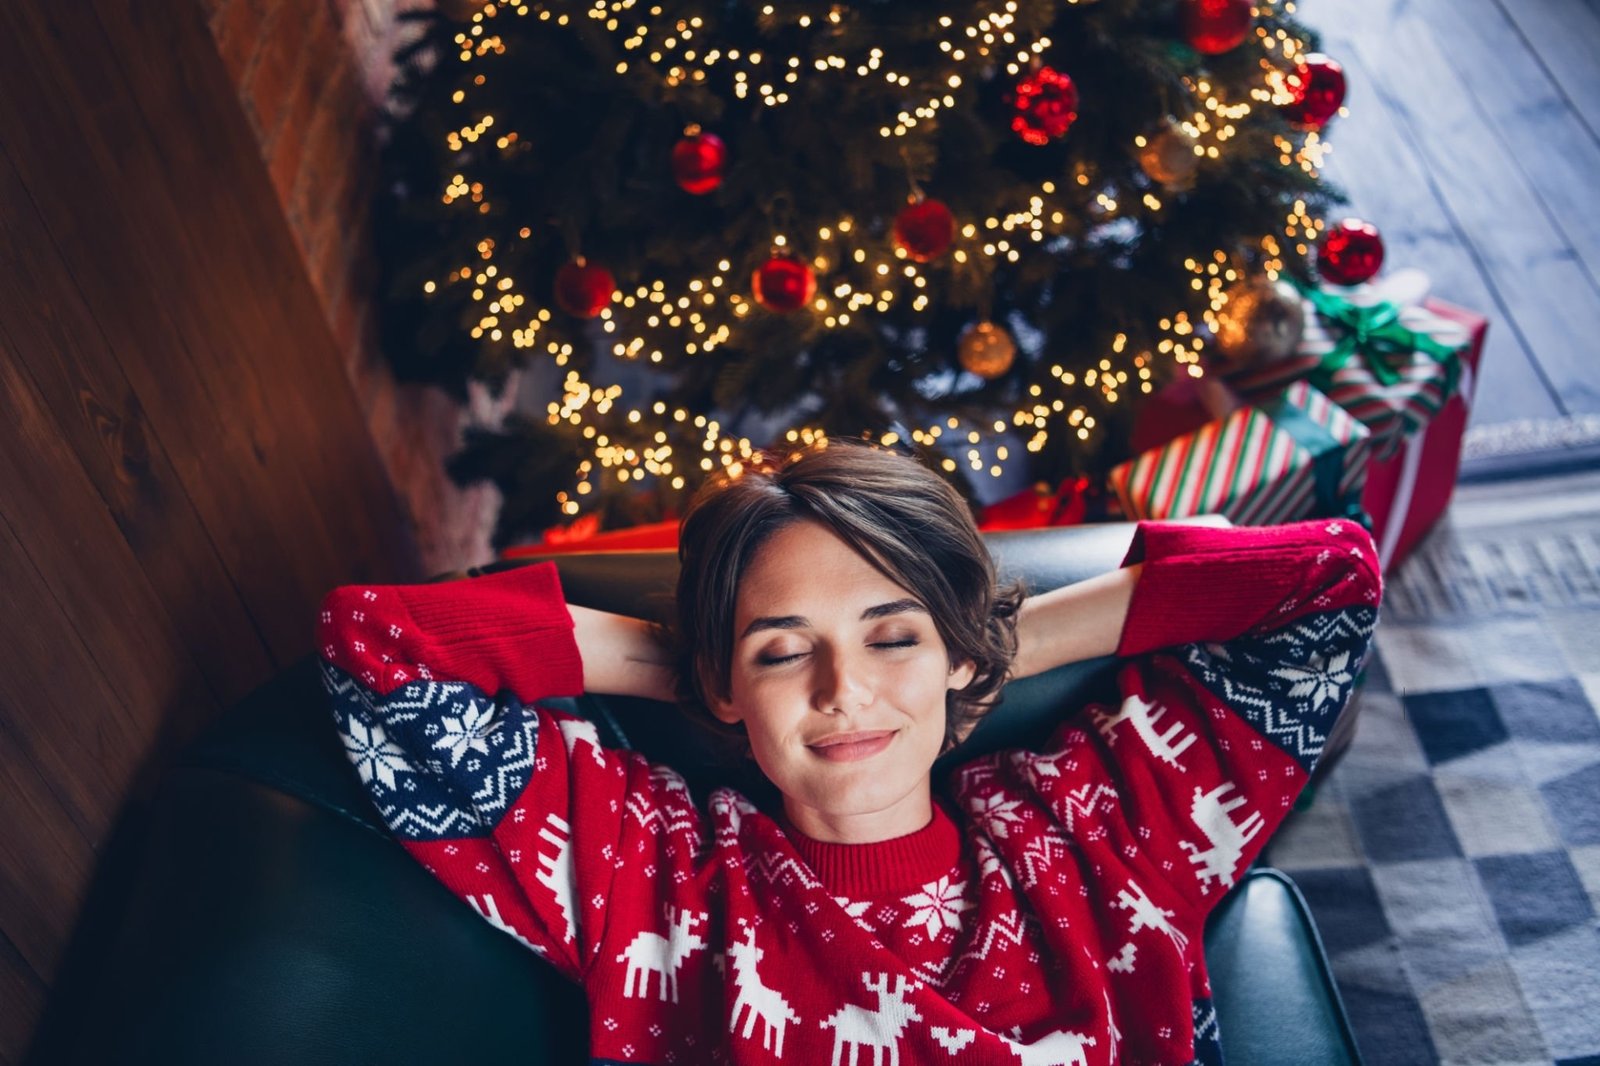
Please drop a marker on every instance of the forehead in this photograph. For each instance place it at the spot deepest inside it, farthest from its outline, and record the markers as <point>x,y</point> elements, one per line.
<point>808,564</point>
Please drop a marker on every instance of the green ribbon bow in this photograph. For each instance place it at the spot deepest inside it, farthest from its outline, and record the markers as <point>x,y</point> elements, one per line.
<point>1376,335</point>
<point>1327,454</point>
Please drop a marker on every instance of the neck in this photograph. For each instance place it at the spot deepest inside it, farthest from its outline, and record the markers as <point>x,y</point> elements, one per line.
<point>906,815</point>
<point>897,863</point>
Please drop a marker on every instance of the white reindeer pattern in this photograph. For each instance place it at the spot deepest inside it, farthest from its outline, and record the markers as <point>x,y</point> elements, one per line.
<point>855,1027</point>
<point>1053,1049</point>
<point>1146,915</point>
<point>761,1002</point>
<point>1165,746</point>
<point>651,953</point>
<point>1210,814</point>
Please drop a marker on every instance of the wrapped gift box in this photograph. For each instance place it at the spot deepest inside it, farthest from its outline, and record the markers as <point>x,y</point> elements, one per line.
<point>1070,504</point>
<point>1294,455</point>
<point>580,536</point>
<point>1378,350</point>
<point>1407,492</point>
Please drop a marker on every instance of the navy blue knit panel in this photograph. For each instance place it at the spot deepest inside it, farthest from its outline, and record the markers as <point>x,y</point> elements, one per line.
<point>1292,683</point>
<point>440,759</point>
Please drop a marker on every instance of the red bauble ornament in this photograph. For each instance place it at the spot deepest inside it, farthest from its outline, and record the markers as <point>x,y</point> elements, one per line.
<point>1046,103</point>
<point>784,283</point>
<point>697,162</point>
<point>925,230</point>
<point>583,288</point>
<point>1318,87</point>
<point>1215,26</point>
<point>1351,252</point>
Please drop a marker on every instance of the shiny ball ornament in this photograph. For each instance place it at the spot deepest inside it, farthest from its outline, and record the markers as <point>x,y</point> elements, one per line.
<point>1215,26</point>
<point>1350,252</point>
<point>584,289</point>
<point>1318,85</point>
<point>1045,104</point>
<point>784,283</point>
<point>1262,321</point>
<point>1168,157</point>
<point>698,161</point>
<point>925,230</point>
<point>986,350</point>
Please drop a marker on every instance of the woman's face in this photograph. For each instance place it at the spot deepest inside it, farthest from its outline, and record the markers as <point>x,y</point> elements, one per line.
<point>839,676</point>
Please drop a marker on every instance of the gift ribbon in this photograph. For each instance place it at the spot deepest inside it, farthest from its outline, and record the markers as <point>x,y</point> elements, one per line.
<point>1411,463</point>
<point>1328,460</point>
<point>1375,333</point>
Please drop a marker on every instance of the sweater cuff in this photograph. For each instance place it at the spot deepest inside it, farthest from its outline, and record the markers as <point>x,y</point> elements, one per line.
<point>521,611</point>
<point>1204,583</point>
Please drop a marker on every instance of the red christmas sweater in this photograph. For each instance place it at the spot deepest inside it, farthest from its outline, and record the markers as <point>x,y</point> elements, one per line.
<point>1051,911</point>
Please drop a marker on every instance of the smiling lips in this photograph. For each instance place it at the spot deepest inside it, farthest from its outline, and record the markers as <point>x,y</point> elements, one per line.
<point>848,747</point>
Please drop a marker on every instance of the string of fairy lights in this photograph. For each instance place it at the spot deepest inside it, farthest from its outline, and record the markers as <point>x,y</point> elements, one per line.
<point>708,306</point>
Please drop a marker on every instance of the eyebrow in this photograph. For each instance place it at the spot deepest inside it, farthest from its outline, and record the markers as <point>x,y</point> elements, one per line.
<point>794,621</point>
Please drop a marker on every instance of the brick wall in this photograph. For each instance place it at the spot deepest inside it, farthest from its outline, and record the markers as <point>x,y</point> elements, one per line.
<point>310,74</point>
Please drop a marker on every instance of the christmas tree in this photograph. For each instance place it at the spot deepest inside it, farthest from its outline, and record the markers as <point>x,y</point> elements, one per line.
<point>981,232</point>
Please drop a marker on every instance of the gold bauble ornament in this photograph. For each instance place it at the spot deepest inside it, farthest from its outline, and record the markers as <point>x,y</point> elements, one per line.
<point>1168,157</point>
<point>987,350</point>
<point>1263,320</point>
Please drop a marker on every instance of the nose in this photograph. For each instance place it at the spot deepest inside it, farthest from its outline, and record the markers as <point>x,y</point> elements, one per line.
<point>842,684</point>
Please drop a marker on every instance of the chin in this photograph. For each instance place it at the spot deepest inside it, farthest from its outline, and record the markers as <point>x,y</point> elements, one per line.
<point>867,793</point>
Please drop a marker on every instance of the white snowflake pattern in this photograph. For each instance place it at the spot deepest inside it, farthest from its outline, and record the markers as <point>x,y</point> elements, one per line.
<point>1324,682</point>
<point>938,906</point>
<point>998,814</point>
<point>466,733</point>
<point>376,757</point>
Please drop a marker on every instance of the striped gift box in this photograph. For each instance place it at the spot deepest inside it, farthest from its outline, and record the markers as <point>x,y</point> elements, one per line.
<point>1295,455</point>
<point>1420,383</point>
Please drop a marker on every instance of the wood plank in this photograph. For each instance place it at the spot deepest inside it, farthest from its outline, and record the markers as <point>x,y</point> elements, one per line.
<point>53,333</point>
<point>91,661</point>
<point>1388,182</point>
<point>24,996</point>
<point>1548,142</point>
<point>1565,35</point>
<point>45,861</point>
<point>214,322</point>
<point>1544,293</point>
<point>204,151</point>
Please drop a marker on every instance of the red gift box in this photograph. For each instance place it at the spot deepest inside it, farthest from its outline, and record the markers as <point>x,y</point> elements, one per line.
<point>1409,491</point>
<point>1036,507</point>
<point>580,537</point>
<point>1178,408</point>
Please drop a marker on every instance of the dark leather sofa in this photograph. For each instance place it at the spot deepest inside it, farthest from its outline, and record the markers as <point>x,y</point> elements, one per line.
<point>259,913</point>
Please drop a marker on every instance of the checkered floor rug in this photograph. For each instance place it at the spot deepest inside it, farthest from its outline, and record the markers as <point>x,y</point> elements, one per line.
<point>1452,857</point>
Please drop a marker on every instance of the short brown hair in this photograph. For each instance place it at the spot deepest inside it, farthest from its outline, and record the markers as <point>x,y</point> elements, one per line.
<point>898,515</point>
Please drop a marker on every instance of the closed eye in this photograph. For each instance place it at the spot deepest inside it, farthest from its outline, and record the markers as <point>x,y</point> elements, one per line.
<point>765,661</point>
<point>779,660</point>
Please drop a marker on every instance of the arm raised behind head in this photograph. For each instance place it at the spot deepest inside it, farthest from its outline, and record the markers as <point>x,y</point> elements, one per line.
<point>621,656</point>
<point>1083,620</point>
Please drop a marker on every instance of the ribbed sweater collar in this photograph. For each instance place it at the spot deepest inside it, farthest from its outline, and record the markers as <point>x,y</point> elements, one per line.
<point>865,871</point>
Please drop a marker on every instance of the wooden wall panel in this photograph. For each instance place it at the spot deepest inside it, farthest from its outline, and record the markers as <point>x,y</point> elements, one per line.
<point>185,468</point>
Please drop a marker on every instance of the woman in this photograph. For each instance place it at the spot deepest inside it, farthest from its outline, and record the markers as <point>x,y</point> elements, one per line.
<point>839,621</point>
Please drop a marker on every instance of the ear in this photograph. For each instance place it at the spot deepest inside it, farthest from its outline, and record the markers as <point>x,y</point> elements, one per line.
<point>724,711</point>
<point>961,675</point>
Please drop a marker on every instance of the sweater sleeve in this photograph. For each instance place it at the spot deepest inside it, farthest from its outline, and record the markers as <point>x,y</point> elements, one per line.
<point>517,809</point>
<point>1244,645</point>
